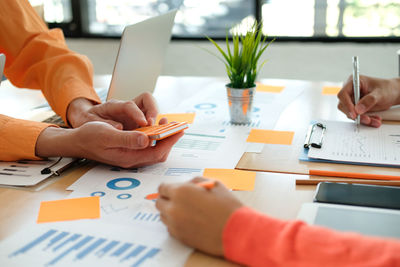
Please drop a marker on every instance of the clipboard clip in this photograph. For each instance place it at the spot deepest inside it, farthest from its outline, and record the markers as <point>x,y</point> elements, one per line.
<point>311,131</point>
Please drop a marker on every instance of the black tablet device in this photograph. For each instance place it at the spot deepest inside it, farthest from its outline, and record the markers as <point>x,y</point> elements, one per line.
<point>359,195</point>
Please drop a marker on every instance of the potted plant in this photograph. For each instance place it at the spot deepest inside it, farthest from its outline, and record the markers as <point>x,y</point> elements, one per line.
<point>241,62</point>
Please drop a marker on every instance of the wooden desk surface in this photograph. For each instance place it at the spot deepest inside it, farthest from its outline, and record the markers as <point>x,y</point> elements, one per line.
<point>275,194</point>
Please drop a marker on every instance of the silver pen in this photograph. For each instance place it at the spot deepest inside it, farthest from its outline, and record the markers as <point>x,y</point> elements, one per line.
<point>356,86</point>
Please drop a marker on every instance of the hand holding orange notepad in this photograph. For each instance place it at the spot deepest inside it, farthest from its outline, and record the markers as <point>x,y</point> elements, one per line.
<point>158,132</point>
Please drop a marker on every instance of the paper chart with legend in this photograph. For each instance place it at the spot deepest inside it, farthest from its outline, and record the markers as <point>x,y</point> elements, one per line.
<point>342,142</point>
<point>122,194</point>
<point>212,111</point>
<point>91,243</point>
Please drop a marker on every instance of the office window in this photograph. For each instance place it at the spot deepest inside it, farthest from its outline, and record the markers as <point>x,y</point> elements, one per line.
<point>331,18</point>
<point>377,20</point>
<point>55,11</point>
<point>194,18</point>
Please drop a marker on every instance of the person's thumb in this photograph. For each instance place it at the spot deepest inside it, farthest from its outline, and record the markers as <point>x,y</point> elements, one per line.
<point>367,103</point>
<point>129,140</point>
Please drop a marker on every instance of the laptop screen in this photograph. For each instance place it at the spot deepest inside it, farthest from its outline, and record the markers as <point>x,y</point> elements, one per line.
<point>2,63</point>
<point>140,57</point>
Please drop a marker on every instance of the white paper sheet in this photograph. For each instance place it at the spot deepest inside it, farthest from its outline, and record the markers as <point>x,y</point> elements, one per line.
<point>212,112</point>
<point>28,173</point>
<point>204,149</point>
<point>122,195</point>
<point>91,243</point>
<point>99,176</point>
<point>343,142</point>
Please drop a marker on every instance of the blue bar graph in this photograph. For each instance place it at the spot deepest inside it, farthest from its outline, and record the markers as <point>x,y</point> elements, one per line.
<point>55,239</point>
<point>137,215</point>
<point>106,248</point>
<point>148,255</point>
<point>252,124</point>
<point>34,243</point>
<point>90,248</point>
<point>71,239</point>
<point>147,217</point>
<point>74,247</point>
<point>121,250</point>
<point>134,252</point>
<point>156,217</point>
<point>55,247</point>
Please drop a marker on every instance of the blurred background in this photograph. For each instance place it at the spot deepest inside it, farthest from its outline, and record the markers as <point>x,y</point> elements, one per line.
<point>315,39</point>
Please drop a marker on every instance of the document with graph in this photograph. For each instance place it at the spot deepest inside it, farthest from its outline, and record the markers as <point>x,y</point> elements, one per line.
<point>91,243</point>
<point>343,142</point>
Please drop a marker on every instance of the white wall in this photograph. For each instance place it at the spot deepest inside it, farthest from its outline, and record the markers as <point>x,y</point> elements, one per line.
<point>307,61</point>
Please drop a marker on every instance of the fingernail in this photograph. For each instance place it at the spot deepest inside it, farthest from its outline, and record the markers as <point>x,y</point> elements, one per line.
<point>375,124</point>
<point>365,120</point>
<point>142,140</point>
<point>360,108</point>
<point>353,115</point>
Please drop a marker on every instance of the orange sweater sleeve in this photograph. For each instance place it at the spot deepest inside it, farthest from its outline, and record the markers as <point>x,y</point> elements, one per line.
<point>18,138</point>
<point>38,58</point>
<point>254,239</point>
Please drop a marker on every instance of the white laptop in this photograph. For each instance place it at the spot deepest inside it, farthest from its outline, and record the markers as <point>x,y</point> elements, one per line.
<point>140,57</point>
<point>139,62</point>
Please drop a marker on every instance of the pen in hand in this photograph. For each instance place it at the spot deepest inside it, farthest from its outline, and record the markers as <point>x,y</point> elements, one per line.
<point>356,86</point>
<point>205,184</point>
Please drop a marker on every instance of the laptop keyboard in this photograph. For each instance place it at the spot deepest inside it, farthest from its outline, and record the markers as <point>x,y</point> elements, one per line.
<point>55,119</point>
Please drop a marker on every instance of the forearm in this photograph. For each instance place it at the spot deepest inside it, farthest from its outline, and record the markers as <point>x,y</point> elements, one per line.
<point>39,58</point>
<point>77,111</point>
<point>55,142</point>
<point>254,239</point>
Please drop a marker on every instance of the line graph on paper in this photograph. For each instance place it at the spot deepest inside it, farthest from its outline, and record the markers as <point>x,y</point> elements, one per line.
<point>367,145</point>
<point>353,146</point>
<point>395,140</point>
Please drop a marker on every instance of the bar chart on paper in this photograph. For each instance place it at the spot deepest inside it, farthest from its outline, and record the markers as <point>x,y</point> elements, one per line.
<point>147,217</point>
<point>61,248</point>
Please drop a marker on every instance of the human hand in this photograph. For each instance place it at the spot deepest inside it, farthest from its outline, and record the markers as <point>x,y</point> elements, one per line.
<point>101,142</point>
<point>376,95</point>
<point>127,115</point>
<point>195,215</point>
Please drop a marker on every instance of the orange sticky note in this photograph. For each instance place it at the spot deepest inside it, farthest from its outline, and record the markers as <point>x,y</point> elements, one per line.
<point>270,137</point>
<point>69,209</point>
<point>233,179</point>
<point>330,90</point>
<point>269,88</point>
<point>178,117</point>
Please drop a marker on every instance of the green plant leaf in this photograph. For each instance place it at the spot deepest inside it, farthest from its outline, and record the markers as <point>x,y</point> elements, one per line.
<point>219,48</point>
<point>241,61</point>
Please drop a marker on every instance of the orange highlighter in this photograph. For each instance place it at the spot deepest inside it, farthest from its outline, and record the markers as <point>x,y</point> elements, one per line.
<point>205,184</point>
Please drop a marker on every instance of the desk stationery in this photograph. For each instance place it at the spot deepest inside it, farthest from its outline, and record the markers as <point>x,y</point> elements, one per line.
<point>275,193</point>
<point>309,106</point>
